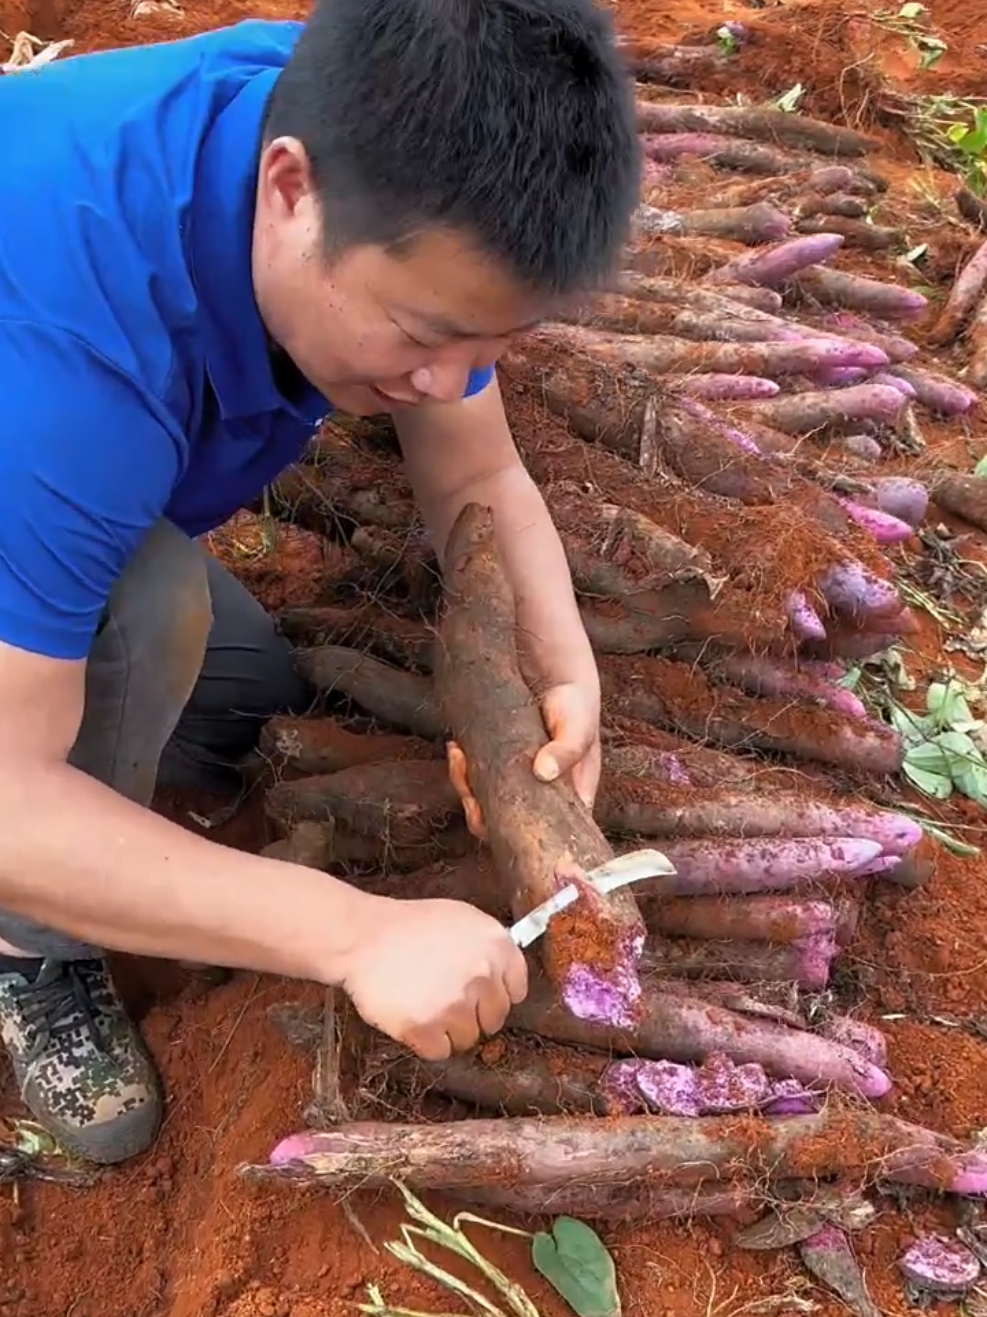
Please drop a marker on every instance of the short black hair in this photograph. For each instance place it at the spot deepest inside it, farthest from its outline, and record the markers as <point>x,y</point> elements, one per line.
<point>511,121</point>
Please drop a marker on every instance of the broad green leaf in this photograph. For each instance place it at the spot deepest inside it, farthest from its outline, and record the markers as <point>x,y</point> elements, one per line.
<point>932,784</point>
<point>981,468</point>
<point>928,767</point>
<point>971,781</point>
<point>914,728</point>
<point>958,746</point>
<point>574,1260</point>
<point>948,706</point>
<point>967,766</point>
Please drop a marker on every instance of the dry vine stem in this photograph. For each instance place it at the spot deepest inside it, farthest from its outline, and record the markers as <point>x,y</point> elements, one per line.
<point>541,834</point>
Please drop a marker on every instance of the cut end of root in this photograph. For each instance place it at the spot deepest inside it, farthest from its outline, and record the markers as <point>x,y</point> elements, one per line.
<point>612,996</point>
<point>292,1149</point>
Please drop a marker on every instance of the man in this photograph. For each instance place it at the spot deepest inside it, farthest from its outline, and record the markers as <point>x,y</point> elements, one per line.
<point>205,246</point>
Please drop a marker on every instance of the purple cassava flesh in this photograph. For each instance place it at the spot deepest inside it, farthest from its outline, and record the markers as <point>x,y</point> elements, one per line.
<point>718,1087</point>
<point>937,1265</point>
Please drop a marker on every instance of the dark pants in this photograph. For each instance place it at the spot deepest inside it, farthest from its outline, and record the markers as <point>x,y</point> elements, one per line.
<point>183,673</point>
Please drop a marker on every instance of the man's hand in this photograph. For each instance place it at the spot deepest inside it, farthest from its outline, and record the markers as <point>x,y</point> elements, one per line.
<point>435,975</point>
<point>571,712</point>
<point>463,452</point>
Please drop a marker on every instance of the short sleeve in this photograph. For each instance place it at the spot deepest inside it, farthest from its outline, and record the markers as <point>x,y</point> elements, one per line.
<point>87,464</point>
<point>478,381</point>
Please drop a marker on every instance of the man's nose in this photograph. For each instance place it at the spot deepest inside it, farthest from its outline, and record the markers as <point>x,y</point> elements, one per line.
<point>445,378</point>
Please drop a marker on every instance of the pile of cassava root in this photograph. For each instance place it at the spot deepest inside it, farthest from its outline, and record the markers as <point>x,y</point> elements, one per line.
<point>710,448</point>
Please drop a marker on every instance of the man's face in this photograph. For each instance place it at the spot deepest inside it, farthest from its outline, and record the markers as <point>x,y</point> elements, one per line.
<point>373,329</point>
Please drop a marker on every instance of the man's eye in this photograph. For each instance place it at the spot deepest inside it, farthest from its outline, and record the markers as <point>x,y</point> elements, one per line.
<point>411,338</point>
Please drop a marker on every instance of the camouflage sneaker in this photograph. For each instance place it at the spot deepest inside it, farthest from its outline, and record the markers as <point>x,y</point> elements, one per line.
<point>80,1064</point>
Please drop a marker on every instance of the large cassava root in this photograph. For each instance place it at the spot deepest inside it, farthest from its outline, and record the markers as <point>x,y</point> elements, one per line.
<point>540,834</point>
<point>674,696</point>
<point>719,840</point>
<point>963,495</point>
<point>792,130</point>
<point>550,1154</point>
<point>678,697</point>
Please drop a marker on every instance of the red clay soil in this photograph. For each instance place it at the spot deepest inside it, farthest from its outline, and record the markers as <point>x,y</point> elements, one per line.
<point>177,1234</point>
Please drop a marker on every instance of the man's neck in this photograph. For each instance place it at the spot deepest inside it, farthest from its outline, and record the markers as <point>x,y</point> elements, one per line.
<point>288,379</point>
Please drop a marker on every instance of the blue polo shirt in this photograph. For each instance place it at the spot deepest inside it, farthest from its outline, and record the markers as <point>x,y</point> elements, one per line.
<point>134,366</point>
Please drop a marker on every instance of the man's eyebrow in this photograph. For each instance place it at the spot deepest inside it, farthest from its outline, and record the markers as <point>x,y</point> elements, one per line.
<point>449,329</point>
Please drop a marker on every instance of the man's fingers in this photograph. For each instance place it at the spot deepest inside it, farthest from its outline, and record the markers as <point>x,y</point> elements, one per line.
<point>556,759</point>
<point>573,727</point>
<point>431,1044</point>
<point>493,1008</point>
<point>459,777</point>
<point>516,978</point>
<point>463,1027</point>
<point>586,775</point>
<point>559,757</point>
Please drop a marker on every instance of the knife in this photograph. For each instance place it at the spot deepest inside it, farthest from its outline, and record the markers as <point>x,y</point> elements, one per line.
<point>606,878</point>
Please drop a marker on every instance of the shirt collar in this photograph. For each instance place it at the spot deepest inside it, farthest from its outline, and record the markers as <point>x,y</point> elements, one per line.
<point>238,357</point>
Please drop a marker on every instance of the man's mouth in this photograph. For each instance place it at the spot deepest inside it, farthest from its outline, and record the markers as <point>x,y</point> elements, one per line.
<point>390,400</point>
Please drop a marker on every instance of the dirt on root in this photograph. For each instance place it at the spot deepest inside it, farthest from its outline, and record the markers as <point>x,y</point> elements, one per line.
<point>177,1233</point>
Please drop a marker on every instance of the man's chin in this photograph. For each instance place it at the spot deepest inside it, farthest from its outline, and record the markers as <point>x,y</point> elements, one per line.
<point>357,400</point>
<point>363,400</point>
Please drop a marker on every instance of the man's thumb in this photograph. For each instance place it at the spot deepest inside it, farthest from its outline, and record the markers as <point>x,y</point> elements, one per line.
<point>554,760</point>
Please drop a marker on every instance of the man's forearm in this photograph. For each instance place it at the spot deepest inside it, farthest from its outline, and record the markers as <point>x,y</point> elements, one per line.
<point>79,858</point>
<point>536,566</point>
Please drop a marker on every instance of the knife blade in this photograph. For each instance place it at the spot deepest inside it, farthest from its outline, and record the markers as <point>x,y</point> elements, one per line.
<point>606,878</point>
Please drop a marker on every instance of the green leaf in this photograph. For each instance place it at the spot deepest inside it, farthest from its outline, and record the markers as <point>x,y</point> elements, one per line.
<point>728,42</point>
<point>914,728</point>
<point>931,51</point>
<point>789,100</point>
<point>574,1260</point>
<point>948,707</point>
<point>928,767</point>
<point>967,766</point>
<point>981,468</point>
